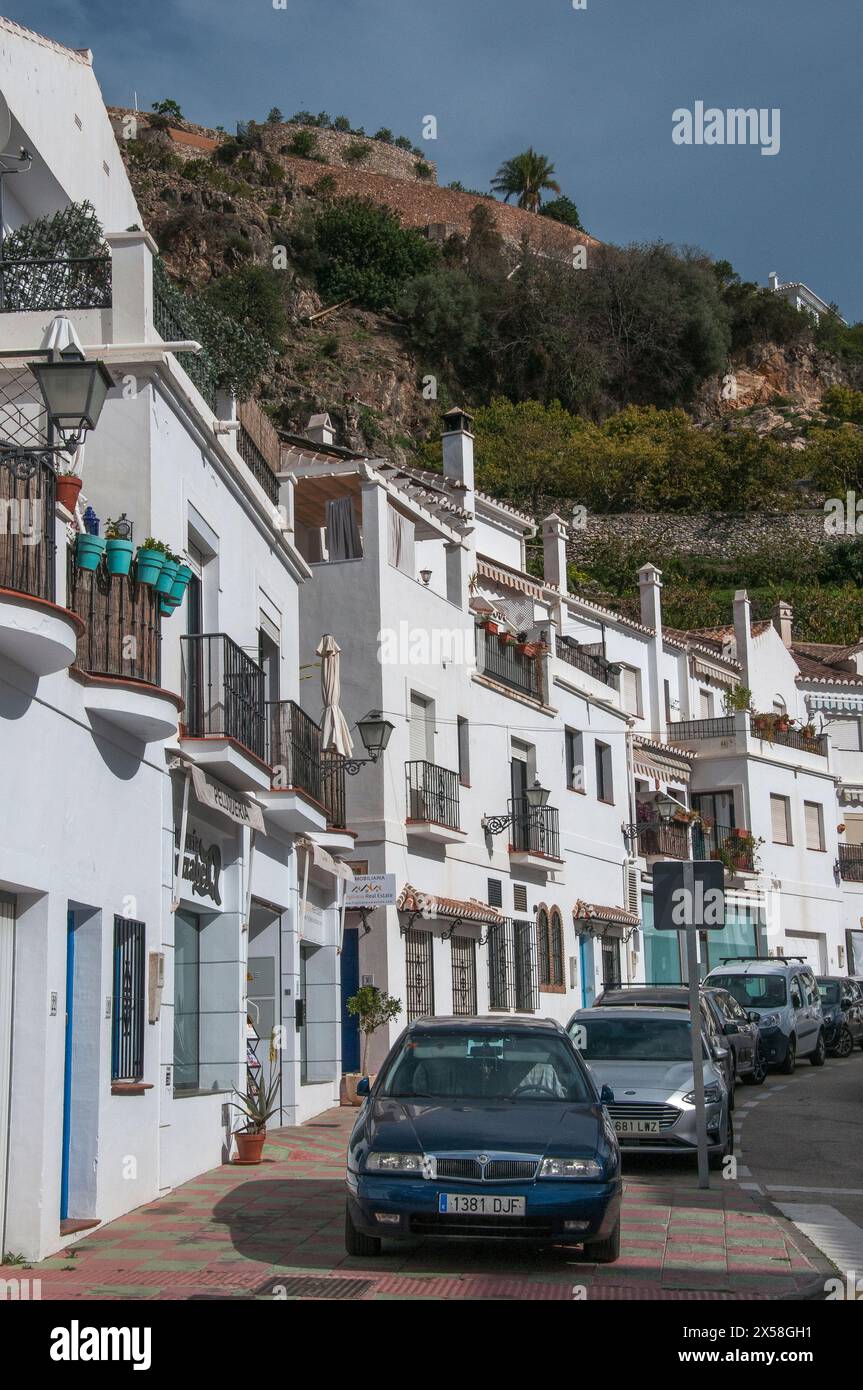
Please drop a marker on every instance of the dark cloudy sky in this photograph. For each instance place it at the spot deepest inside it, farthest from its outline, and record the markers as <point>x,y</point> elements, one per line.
<point>593,89</point>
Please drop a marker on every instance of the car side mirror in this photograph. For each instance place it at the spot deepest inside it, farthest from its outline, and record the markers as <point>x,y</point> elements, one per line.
<point>720,1053</point>
<point>731,1027</point>
<point>606,1095</point>
<point>364,1086</point>
<point>753,1017</point>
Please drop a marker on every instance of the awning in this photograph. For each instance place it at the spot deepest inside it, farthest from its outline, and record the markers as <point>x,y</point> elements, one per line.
<point>508,579</point>
<point>653,760</point>
<point>229,803</point>
<point>469,910</point>
<point>609,921</point>
<point>323,860</point>
<point>714,675</point>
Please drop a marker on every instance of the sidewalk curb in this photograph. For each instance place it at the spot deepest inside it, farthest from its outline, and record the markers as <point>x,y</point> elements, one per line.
<point>815,1289</point>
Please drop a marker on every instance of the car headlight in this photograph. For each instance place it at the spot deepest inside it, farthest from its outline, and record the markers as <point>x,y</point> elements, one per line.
<point>712,1094</point>
<point>570,1168</point>
<point>394,1163</point>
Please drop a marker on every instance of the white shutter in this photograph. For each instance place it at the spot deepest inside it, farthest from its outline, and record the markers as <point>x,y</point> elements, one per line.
<point>7,959</point>
<point>854,830</point>
<point>421,731</point>
<point>705,699</point>
<point>779,820</point>
<point>630,690</point>
<point>814,825</point>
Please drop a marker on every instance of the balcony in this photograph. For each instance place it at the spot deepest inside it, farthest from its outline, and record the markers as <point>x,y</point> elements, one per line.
<point>697,730</point>
<point>789,738</point>
<point>119,654</point>
<point>663,840</point>
<point>851,863</point>
<point>225,728</point>
<point>591,663</point>
<point>258,447</point>
<point>534,835</point>
<point>35,632</point>
<point>433,803</point>
<point>503,662</point>
<point>722,842</point>
<point>301,784</point>
<point>173,322</point>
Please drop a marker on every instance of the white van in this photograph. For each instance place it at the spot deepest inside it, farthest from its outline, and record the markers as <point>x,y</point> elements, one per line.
<point>781,995</point>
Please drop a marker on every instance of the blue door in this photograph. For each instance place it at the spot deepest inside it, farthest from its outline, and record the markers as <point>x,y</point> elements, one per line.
<point>67,1067</point>
<point>588,975</point>
<point>350,973</point>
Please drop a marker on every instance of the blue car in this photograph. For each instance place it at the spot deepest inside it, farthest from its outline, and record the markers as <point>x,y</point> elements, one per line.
<point>484,1128</point>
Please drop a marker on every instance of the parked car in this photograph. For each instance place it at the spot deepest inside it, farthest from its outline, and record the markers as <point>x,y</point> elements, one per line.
<point>484,1127</point>
<point>673,997</point>
<point>781,993</point>
<point>842,1007</point>
<point>741,1033</point>
<point>645,1056</point>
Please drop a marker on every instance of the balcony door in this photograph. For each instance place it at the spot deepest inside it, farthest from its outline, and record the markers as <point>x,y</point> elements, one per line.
<point>518,792</point>
<point>422,752</point>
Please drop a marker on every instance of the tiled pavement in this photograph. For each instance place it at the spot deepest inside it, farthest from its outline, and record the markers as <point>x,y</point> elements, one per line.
<point>250,1232</point>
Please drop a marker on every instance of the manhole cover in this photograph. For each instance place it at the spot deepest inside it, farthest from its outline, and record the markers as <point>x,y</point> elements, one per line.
<point>299,1286</point>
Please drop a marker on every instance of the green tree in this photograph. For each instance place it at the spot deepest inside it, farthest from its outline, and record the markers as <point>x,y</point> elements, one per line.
<point>373,1010</point>
<point>167,108</point>
<point>361,251</point>
<point>562,210</point>
<point>252,297</point>
<point>525,177</point>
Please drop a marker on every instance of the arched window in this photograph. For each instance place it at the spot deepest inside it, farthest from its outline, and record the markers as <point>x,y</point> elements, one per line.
<point>549,932</point>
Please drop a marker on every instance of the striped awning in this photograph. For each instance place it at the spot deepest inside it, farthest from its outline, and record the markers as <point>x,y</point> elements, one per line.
<point>714,675</point>
<point>509,579</point>
<point>653,760</point>
<point>430,905</point>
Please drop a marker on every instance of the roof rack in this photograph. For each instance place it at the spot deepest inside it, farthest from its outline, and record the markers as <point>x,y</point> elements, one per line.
<point>726,960</point>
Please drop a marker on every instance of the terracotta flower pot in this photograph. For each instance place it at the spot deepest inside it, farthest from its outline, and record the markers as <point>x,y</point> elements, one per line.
<point>68,488</point>
<point>249,1146</point>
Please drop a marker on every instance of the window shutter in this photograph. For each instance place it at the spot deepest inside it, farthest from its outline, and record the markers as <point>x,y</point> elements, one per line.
<point>631,887</point>
<point>519,897</point>
<point>779,820</point>
<point>495,893</point>
<point>814,830</point>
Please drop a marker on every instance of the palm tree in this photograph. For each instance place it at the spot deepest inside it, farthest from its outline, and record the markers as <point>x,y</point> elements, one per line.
<point>525,176</point>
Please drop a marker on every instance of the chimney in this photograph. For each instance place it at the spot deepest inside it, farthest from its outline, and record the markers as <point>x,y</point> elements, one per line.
<point>783,615</point>
<point>743,634</point>
<point>457,447</point>
<point>554,552</point>
<point>650,589</point>
<point>773,280</point>
<point>320,430</point>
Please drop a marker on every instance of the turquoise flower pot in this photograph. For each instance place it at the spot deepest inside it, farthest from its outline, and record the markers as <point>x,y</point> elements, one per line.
<point>148,565</point>
<point>166,579</point>
<point>88,551</point>
<point>118,556</point>
<point>180,584</point>
<point>166,608</point>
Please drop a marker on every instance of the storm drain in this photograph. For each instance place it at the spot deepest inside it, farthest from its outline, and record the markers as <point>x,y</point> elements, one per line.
<point>300,1286</point>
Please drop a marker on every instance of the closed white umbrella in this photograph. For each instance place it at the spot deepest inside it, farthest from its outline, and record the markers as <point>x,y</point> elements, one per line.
<point>334,728</point>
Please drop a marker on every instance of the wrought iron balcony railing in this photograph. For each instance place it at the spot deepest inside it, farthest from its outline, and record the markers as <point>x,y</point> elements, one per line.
<point>791,738</point>
<point>721,842</point>
<point>590,662</point>
<point>173,325</point>
<point>333,789</point>
<point>298,760</point>
<point>689,730</point>
<point>851,863</point>
<point>224,692</point>
<point>505,663</point>
<point>43,284</point>
<point>535,829</point>
<point>667,838</point>
<point>432,794</point>
<point>123,632</point>
<point>27,548</point>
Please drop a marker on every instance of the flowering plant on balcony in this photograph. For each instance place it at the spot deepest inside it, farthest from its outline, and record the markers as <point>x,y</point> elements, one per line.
<point>740,851</point>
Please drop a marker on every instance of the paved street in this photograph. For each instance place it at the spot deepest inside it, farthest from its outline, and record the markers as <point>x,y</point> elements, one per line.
<point>260,1232</point>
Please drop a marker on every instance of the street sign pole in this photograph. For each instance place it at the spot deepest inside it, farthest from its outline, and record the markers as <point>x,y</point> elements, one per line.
<point>691,933</point>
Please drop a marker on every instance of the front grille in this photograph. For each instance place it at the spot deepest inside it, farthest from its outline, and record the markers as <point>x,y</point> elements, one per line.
<point>515,1227</point>
<point>496,1170</point>
<point>667,1115</point>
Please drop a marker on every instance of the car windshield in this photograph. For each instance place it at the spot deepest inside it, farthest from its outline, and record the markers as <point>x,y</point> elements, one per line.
<point>486,1066</point>
<point>633,1039</point>
<point>829,991</point>
<point>754,991</point>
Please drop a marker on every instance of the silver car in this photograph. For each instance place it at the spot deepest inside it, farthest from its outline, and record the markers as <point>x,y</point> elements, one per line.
<point>645,1056</point>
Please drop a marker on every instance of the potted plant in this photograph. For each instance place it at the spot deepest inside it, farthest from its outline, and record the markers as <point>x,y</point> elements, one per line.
<point>181,582</point>
<point>372,1010</point>
<point>118,549</point>
<point>68,487</point>
<point>490,626</point>
<point>168,573</point>
<point>258,1103</point>
<point>88,550</point>
<point>149,560</point>
<point>739,698</point>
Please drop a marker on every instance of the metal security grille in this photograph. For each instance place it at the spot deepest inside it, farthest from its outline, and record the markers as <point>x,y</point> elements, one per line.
<point>610,961</point>
<point>463,975</point>
<point>512,974</point>
<point>127,1027</point>
<point>420,976</point>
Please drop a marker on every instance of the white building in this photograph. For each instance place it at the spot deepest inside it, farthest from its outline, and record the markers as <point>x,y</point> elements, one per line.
<point>800,296</point>
<point>165,883</point>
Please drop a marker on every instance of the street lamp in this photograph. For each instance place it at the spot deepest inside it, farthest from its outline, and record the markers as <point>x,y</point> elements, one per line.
<point>375,732</point>
<point>536,797</point>
<point>74,391</point>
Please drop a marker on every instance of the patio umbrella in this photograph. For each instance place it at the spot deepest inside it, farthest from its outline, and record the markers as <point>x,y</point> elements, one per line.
<point>334,728</point>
